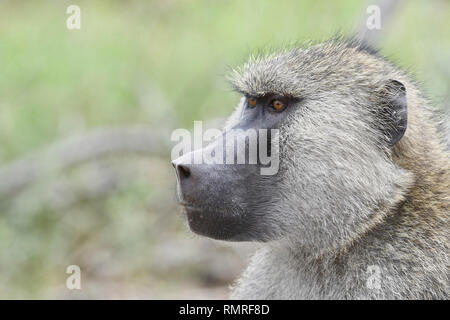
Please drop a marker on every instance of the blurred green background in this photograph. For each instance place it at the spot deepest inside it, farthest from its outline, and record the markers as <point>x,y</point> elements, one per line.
<point>152,66</point>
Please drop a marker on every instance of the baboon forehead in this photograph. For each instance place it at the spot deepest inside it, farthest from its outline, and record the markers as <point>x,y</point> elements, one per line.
<point>277,73</point>
<point>302,71</point>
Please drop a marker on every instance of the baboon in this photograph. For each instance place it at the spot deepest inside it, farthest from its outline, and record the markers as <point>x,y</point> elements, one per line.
<point>359,208</point>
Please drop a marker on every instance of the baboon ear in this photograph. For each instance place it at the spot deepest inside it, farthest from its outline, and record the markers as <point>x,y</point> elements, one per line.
<point>394,112</point>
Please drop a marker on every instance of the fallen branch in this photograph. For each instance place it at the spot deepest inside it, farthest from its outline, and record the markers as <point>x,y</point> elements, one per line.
<point>78,149</point>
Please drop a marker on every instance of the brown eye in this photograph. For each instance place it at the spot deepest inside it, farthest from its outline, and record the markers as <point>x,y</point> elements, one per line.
<point>252,102</point>
<point>278,105</point>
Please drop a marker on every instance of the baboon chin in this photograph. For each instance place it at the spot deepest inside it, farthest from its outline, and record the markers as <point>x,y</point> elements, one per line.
<point>362,184</point>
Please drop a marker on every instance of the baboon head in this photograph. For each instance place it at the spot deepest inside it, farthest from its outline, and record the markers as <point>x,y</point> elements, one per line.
<point>339,110</point>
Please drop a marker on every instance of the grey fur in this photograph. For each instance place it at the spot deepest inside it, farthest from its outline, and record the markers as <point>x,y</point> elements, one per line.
<point>345,203</point>
<point>359,208</point>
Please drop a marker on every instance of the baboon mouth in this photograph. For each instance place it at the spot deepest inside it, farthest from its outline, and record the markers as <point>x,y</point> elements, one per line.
<point>211,223</point>
<point>189,208</point>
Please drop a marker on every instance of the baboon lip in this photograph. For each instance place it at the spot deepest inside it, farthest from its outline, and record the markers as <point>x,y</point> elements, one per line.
<point>190,208</point>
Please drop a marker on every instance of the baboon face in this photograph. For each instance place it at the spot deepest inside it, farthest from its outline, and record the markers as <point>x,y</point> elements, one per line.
<point>226,201</point>
<point>335,122</point>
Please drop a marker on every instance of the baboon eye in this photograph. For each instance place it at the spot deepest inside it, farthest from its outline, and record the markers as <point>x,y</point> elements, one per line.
<point>277,105</point>
<point>252,102</point>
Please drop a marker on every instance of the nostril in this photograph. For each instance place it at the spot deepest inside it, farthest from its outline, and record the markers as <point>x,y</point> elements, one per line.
<point>183,171</point>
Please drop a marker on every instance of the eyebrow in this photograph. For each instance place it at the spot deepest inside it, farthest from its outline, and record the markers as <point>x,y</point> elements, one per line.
<point>272,95</point>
